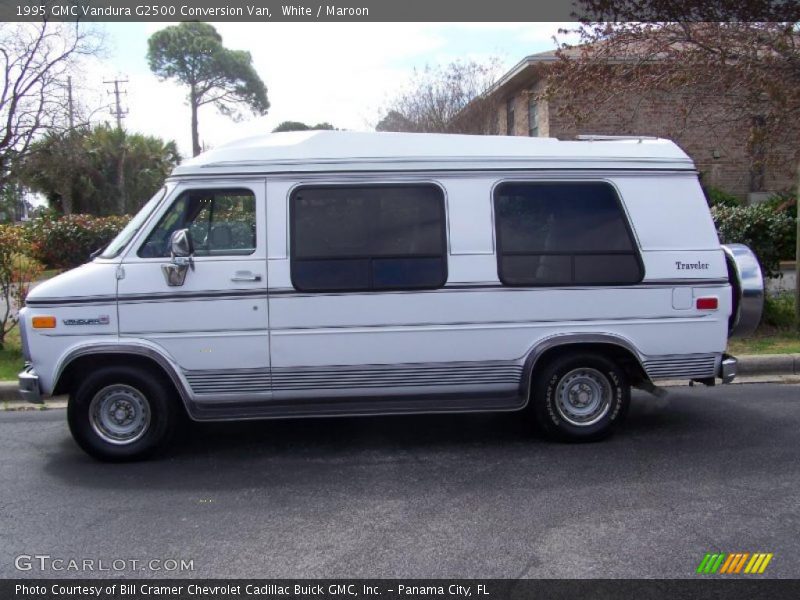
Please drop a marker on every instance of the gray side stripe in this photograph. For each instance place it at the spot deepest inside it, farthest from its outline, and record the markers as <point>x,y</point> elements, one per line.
<point>291,292</point>
<point>354,377</point>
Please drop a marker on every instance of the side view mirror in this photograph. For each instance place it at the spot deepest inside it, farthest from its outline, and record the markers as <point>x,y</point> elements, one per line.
<point>181,249</point>
<point>180,244</point>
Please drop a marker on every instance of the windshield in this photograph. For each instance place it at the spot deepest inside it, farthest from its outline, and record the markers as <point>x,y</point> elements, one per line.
<point>118,244</point>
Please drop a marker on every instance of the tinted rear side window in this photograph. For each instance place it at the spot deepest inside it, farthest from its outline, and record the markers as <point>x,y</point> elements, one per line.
<point>360,238</point>
<point>563,234</point>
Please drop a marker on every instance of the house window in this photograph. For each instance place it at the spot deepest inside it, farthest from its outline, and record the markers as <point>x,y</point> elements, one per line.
<point>563,234</point>
<point>368,238</point>
<point>510,116</point>
<point>533,117</point>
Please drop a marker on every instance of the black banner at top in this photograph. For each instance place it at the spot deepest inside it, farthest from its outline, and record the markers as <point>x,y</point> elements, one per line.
<point>399,10</point>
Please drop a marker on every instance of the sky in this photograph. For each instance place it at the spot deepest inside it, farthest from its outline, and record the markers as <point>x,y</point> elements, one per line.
<point>342,73</point>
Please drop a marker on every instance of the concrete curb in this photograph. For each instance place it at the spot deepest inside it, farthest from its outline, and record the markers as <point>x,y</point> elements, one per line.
<point>10,400</point>
<point>753,368</point>
<point>769,364</point>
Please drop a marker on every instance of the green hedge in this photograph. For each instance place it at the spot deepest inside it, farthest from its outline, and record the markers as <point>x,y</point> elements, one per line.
<point>66,242</point>
<point>718,197</point>
<point>770,234</point>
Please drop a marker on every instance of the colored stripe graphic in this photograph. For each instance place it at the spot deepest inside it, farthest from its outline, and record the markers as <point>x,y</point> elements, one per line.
<point>741,562</point>
<point>726,567</point>
<point>764,564</point>
<point>702,566</point>
<point>718,563</point>
<point>751,564</point>
<point>710,563</point>
<point>733,563</point>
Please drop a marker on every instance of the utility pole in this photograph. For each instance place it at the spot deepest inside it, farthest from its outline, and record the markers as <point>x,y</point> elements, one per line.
<point>70,105</point>
<point>118,111</point>
<point>797,256</point>
<point>121,200</point>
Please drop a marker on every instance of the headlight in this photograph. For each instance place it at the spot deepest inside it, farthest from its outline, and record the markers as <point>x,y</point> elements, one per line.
<point>23,335</point>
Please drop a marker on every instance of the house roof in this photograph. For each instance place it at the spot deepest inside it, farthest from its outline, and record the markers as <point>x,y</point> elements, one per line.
<point>653,48</point>
<point>529,67</point>
<point>315,151</point>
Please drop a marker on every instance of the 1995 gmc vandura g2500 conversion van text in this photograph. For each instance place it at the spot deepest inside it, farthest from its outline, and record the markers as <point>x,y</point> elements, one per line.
<point>337,273</point>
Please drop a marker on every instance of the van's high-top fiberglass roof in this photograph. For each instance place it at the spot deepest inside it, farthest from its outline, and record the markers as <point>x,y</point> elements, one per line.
<point>315,151</point>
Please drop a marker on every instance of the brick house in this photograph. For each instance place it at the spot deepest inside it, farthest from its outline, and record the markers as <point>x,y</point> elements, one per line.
<point>721,151</point>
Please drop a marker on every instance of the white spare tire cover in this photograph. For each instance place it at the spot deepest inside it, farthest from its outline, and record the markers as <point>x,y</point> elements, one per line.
<point>747,289</point>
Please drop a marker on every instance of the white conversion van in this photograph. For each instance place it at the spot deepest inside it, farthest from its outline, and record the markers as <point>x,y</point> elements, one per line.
<point>337,273</point>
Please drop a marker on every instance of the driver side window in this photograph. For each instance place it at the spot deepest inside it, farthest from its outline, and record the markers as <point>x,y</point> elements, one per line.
<point>221,222</point>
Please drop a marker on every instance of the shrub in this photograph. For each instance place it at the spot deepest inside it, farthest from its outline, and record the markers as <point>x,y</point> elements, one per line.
<point>17,271</point>
<point>69,241</point>
<point>718,197</point>
<point>784,202</point>
<point>779,311</point>
<point>769,234</point>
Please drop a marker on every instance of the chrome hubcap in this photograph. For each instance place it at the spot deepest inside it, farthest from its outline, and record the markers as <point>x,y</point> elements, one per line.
<point>583,397</point>
<point>119,414</point>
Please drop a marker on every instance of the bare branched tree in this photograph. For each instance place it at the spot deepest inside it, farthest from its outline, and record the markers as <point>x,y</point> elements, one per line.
<point>436,95</point>
<point>35,59</point>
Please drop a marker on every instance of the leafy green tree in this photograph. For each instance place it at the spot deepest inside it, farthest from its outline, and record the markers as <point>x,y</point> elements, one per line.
<point>56,166</point>
<point>13,205</point>
<point>100,171</point>
<point>298,126</point>
<point>193,54</point>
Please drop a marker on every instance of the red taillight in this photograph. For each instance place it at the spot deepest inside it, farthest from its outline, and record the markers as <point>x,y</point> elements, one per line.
<point>707,303</point>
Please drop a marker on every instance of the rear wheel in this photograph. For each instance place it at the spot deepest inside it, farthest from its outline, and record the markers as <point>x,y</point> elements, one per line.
<point>121,413</point>
<point>580,397</point>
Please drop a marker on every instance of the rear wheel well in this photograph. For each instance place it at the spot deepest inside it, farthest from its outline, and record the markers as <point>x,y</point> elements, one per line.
<point>78,368</point>
<point>621,356</point>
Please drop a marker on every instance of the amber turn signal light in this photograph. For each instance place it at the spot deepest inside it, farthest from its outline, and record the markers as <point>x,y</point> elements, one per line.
<point>43,322</point>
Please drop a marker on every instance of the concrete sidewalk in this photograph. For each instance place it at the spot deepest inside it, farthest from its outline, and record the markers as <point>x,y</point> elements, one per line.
<point>753,368</point>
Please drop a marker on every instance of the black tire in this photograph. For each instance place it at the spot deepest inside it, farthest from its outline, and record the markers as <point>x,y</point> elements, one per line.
<point>132,386</point>
<point>558,413</point>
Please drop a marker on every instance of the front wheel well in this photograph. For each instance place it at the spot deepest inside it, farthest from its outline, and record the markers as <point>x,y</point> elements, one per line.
<point>78,368</point>
<point>622,356</point>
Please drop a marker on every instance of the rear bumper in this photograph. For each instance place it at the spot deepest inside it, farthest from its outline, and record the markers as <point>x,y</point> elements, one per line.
<point>29,388</point>
<point>727,368</point>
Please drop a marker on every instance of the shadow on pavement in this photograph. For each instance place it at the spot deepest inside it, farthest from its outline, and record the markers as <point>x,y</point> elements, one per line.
<point>700,427</point>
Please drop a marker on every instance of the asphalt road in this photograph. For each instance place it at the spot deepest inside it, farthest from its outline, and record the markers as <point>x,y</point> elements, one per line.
<point>701,470</point>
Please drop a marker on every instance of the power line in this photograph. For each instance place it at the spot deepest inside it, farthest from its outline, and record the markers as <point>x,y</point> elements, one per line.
<point>119,112</point>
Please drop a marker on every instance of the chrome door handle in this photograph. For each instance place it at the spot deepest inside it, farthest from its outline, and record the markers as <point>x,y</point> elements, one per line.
<point>245,276</point>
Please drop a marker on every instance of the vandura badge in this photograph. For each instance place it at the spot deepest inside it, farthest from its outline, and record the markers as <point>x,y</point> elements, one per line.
<point>101,320</point>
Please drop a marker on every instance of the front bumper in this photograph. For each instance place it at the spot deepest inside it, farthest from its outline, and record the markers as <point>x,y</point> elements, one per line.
<point>29,388</point>
<point>727,368</point>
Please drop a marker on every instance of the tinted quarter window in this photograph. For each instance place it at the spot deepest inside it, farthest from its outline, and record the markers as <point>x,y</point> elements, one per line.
<point>563,234</point>
<point>221,222</point>
<point>378,237</point>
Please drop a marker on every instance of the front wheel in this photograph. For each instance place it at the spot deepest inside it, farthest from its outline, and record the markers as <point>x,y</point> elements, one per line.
<point>121,413</point>
<point>580,397</point>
